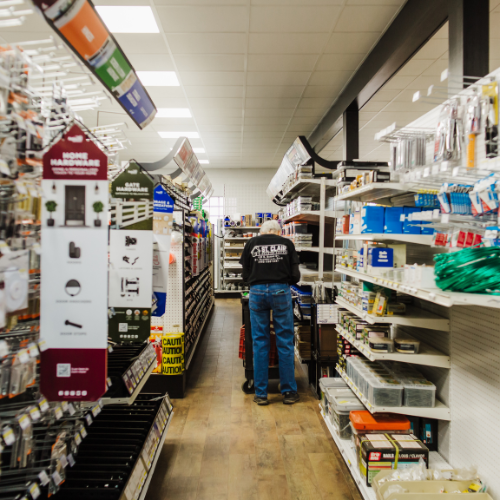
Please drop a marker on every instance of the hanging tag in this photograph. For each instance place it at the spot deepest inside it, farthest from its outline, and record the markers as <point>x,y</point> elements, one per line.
<point>35,413</point>
<point>108,382</point>
<point>44,406</point>
<point>71,460</point>
<point>4,168</point>
<point>34,490</point>
<point>110,349</point>
<point>71,409</point>
<point>21,188</point>
<point>63,460</point>
<point>42,345</point>
<point>101,404</point>
<point>445,218</point>
<point>88,418</point>
<point>24,422</point>
<point>36,248</point>
<point>44,478</point>
<point>23,356</point>
<point>8,436</point>
<point>83,432</point>
<point>96,410</point>
<point>58,412</point>
<point>4,348</point>
<point>64,405</point>
<point>56,477</point>
<point>78,439</point>
<point>33,350</point>
<point>4,248</point>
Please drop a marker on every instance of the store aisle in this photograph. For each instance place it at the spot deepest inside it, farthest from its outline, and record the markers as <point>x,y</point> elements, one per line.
<point>221,445</point>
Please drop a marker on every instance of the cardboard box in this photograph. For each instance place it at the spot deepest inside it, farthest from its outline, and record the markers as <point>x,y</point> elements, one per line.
<point>380,452</point>
<point>327,340</point>
<point>408,227</point>
<point>372,219</point>
<point>393,220</point>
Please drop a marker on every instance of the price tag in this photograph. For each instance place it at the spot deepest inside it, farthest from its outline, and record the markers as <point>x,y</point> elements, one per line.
<point>78,439</point>
<point>418,174</point>
<point>56,477</point>
<point>435,169</point>
<point>63,460</point>
<point>21,188</point>
<point>101,404</point>
<point>445,218</point>
<point>42,345</point>
<point>436,213</point>
<point>444,166</point>
<point>64,405</point>
<point>71,460</point>
<point>108,382</point>
<point>44,406</point>
<point>23,356</point>
<point>37,248</point>
<point>8,436</point>
<point>96,410</point>
<point>455,171</point>
<point>35,413</point>
<point>34,490</point>
<point>83,432</point>
<point>4,168</point>
<point>427,171</point>
<point>44,478</point>
<point>24,422</point>
<point>88,418</point>
<point>58,412</point>
<point>33,350</point>
<point>4,348</point>
<point>71,409</point>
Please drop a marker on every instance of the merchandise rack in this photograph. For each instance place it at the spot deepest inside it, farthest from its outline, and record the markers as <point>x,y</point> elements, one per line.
<point>439,412</point>
<point>419,239</point>
<point>427,355</point>
<point>414,316</point>
<point>348,452</point>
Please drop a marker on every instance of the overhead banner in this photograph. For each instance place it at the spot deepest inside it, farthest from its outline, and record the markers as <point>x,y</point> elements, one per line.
<point>73,316</point>
<point>163,218</point>
<point>79,24</point>
<point>131,255</point>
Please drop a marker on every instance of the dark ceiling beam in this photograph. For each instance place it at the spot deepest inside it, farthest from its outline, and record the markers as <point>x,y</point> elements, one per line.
<point>417,21</point>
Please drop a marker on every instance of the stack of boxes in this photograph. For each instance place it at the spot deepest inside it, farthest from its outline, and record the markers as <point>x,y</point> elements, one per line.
<point>297,232</point>
<point>345,350</point>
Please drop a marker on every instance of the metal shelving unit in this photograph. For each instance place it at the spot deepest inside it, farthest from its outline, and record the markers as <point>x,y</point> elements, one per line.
<point>414,317</point>
<point>419,239</point>
<point>377,191</point>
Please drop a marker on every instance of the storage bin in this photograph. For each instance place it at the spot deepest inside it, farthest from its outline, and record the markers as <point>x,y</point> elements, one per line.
<point>384,391</point>
<point>381,345</point>
<point>419,392</point>
<point>365,422</point>
<point>341,406</point>
<point>327,382</point>
<point>331,393</point>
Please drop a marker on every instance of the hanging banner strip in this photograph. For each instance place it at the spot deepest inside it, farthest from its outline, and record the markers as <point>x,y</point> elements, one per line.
<point>73,316</point>
<point>81,27</point>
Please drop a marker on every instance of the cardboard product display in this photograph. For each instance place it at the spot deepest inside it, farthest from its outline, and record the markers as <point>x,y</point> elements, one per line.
<point>131,255</point>
<point>73,319</point>
<point>328,340</point>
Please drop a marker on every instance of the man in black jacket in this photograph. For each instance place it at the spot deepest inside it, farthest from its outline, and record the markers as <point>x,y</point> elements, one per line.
<point>270,265</point>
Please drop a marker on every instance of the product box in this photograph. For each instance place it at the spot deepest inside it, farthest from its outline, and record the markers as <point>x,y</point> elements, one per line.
<point>327,340</point>
<point>345,224</point>
<point>380,257</point>
<point>388,451</point>
<point>408,225</point>
<point>393,220</point>
<point>372,219</point>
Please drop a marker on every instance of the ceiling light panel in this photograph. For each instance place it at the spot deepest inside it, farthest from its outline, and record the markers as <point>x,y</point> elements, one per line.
<point>158,78</point>
<point>199,150</point>
<point>173,113</point>
<point>204,162</point>
<point>176,135</point>
<point>128,19</point>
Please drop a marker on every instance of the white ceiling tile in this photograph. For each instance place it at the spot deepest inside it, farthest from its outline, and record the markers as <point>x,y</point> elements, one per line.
<point>330,77</point>
<point>313,102</point>
<point>397,3</point>
<point>207,43</point>
<point>385,95</point>
<point>277,77</point>
<point>173,124</point>
<point>398,82</point>
<point>275,90</point>
<point>322,91</point>
<point>216,102</point>
<point>281,62</point>
<point>151,62</point>
<point>351,43</point>
<point>415,67</point>
<point>261,133</point>
<point>266,120</point>
<point>182,3</point>
<point>141,43</point>
<point>357,19</point>
<point>374,106</point>
<point>199,19</point>
<point>162,99</point>
<point>316,112</point>
<point>213,91</point>
<point>329,62</point>
<point>217,113</point>
<point>433,48</point>
<point>290,43</point>
<point>217,78</point>
<point>285,102</point>
<point>290,19</point>
<point>436,68</point>
<point>268,112</point>
<point>216,130</point>
<point>234,120</point>
<point>264,128</point>
<point>210,62</point>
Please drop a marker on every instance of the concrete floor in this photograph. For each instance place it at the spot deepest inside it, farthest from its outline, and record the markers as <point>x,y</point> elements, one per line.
<point>221,445</point>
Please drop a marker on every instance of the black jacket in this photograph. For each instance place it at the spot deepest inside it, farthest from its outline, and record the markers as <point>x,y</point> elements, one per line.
<point>270,259</point>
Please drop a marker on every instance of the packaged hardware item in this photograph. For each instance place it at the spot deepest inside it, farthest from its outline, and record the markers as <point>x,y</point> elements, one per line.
<point>396,309</point>
<point>329,382</point>
<point>340,409</point>
<point>406,345</point>
<point>366,422</point>
<point>419,392</point>
<point>379,452</point>
<point>381,345</point>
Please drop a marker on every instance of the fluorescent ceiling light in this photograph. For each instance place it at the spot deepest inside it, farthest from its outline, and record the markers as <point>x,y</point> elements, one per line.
<point>176,135</point>
<point>173,113</point>
<point>199,150</point>
<point>158,78</point>
<point>126,19</point>
<point>204,161</point>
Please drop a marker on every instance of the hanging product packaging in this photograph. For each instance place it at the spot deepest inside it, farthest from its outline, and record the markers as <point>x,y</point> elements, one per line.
<point>163,218</point>
<point>473,127</point>
<point>490,112</point>
<point>73,319</point>
<point>131,255</point>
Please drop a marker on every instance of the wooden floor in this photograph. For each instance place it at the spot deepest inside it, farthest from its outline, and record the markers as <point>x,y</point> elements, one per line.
<point>221,445</point>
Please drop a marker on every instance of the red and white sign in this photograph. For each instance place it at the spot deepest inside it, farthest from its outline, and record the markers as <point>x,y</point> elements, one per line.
<point>74,266</point>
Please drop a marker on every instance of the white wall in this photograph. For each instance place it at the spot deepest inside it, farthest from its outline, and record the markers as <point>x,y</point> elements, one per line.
<point>244,189</point>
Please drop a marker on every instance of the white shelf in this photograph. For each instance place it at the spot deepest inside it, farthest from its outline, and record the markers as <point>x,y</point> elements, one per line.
<point>427,356</point>
<point>420,239</point>
<point>236,238</point>
<point>233,267</point>
<point>435,295</point>
<point>232,278</point>
<point>232,258</point>
<point>308,187</point>
<point>229,291</point>
<point>414,317</point>
<point>348,452</point>
<point>439,412</point>
<point>313,216</point>
<point>244,228</point>
<point>328,251</point>
<point>234,247</point>
<point>374,191</point>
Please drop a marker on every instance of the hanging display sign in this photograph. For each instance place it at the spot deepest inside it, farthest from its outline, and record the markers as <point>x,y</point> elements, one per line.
<point>131,255</point>
<point>79,24</point>
<point>73,319</point>
<point>163,218</point>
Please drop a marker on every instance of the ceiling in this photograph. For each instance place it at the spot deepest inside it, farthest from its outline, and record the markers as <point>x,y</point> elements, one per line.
<point>394,102</point>
<point>254,73</point>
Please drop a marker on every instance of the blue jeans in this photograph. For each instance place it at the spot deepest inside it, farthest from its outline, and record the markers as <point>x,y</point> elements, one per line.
<point>263,299</point>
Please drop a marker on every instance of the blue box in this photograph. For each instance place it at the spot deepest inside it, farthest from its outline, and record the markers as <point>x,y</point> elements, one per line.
<point>393,220</point>
<point>426,230</point>
<point>381,257</point>
<point>372,219</point>
<point>408,227</point>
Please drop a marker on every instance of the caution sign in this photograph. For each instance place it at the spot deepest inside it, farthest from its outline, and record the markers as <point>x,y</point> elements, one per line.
<point>172,357</point>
